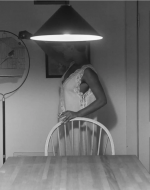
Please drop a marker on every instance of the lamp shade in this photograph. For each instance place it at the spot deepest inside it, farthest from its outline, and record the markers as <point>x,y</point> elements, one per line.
<point>66,25</point>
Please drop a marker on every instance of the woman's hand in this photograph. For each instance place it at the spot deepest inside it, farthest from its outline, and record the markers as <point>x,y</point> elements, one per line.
<point>67,116</point>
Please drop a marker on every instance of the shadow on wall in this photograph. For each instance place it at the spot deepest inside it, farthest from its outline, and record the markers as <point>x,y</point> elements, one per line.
<point>107,115</point>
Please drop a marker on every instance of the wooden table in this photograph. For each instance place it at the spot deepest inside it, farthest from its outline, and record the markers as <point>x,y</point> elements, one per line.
<point>74,173</point>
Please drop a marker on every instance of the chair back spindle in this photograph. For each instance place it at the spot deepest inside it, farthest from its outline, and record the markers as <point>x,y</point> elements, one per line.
<point>65,128</point>
<point>59,141</point>
<point>72,137</point>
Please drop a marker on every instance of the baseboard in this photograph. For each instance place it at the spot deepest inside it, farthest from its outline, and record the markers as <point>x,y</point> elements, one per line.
<point>18,154</point>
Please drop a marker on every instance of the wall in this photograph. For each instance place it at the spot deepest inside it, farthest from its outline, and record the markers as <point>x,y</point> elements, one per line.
<point>144,83</point>
<point>32,111</point>
<point>131,49</point>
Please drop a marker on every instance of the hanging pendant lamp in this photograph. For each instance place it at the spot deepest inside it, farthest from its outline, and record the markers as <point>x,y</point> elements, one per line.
<point>66,25</point>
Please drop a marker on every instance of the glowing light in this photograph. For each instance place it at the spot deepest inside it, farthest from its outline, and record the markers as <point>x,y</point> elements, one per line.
<point>67,38</point>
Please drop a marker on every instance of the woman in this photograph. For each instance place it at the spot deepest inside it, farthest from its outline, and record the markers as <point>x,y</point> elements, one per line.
<point>81,93</point>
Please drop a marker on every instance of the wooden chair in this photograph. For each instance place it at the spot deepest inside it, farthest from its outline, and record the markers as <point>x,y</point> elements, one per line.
<point>88,126</point>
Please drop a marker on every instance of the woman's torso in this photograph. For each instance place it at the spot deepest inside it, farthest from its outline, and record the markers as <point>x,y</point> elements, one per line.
<point>75,94</point>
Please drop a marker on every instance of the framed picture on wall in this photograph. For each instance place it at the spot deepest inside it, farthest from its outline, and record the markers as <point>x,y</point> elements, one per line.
<point>56,63</point>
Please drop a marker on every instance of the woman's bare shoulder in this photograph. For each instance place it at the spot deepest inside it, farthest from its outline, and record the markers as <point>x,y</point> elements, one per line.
<point>89,72</point>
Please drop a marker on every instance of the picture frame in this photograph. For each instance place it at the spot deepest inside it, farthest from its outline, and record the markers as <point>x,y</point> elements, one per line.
<point>56,63</point>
